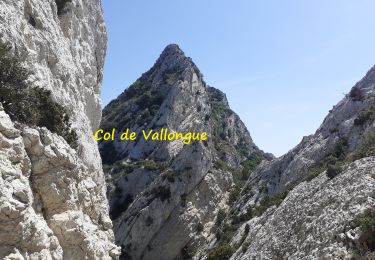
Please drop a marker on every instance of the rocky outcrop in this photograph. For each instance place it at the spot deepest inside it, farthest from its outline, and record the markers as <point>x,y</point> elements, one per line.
<point>164,196</point>
<point>304,205</point>
<point>53,203</point>
<point>315,221</point>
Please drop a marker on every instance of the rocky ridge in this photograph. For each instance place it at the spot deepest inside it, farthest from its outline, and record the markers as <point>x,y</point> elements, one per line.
<point>206,201</point>
<point>164,196</point>
<point>304,205</point>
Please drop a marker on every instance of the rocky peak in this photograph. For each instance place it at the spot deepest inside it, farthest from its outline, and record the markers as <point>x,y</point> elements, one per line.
<point>172,61</point>
<point>161,191</point>
<point>216,95</point>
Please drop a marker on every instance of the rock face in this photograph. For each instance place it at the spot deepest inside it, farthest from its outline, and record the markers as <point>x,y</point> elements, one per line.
<point>315,221</point>
<point>210,200</point>
<point>164,196</point>
<point>53,203</point>
<point>304,204</point>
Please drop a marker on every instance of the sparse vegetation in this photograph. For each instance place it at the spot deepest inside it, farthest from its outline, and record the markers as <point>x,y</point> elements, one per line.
<point>161,192</point>
<point>356,94</point>
<point>187,252</point>
<point>366,222</point>
<point>120,168</point>
<point>366,148</point>
<point>233,195</point>
<point>245,246</point>
<point>341,149</point>
<point>220,217</point>
<point>332,163</point>
<point>138,99</point>
<point>32,106</point>
<point>240,218</point>
<point>226,232</point>
<point>61,4</point>
<point>220,165</point>
<point>183,200</point>
<point>247,229</point>
<point>250,164</point>
<point>365,116</point>
<point>222,252</point>
<point>333,171</point>
<point>200,227</point>
<point>270,201</point>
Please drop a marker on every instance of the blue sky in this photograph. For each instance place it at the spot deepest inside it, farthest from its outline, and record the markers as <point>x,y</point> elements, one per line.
<point>282,64</point>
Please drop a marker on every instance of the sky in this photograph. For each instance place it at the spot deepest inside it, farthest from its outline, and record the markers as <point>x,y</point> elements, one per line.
<point>282,64</point>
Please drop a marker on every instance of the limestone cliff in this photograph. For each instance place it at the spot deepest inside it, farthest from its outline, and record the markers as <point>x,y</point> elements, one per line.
<point>52,200</point>
<point>307,203</point>
<point>165,196</point>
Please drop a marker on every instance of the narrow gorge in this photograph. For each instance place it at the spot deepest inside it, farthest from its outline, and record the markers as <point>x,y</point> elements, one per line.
<point>66,196</point>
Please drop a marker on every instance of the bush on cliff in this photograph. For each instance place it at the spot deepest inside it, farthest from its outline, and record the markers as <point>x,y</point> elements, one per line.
<point>366,222</point>
<point>61,4</point>
<point>32,106</point>
<point>222,252</point>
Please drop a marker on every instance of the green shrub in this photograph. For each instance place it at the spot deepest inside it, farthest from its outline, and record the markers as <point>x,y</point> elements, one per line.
<point>136,89</point>
<point>333,170</point>
<point>366,222</point>
<point>247,229</point>
<point>149,99</point>
<point>233,195</point>
<point>149,165</point>
<point>121,167</point>
<point>220,165</point>
<point>356,94</point>
<point>226,233</point>
<point>237,219</point>
<point>200,227</point>
<point>61,6</point>
<point>252,161</point>
<point>32,106</point>
<point>187,252</point>
<point>270,201</point>
<point>220,217</point>
<point>366,148</point>
<point>183,200</point>
<point>315,170</point>
<point>138,99</point>
<point>341,149</point>
<point>245,246</point>
<point>222,252</point>
<point>367,115</point>
<point>168,175</point>
<point>162,192</point>
<point>333,161</point>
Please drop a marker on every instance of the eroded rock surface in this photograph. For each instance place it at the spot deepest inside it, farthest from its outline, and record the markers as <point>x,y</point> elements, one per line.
<point>164,196</point>
<point>53,203</point>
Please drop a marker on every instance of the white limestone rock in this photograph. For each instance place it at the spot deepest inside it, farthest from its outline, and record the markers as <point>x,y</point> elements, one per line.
<point>313,222</point>
<point>53,201</point>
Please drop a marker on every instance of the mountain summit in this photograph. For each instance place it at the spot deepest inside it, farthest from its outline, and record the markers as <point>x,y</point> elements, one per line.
<point>164,196</point>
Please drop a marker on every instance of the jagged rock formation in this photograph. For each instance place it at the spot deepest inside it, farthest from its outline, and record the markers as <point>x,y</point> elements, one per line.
<point>303,205</point>
<point>53,203</point>
<point>164,196</point>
